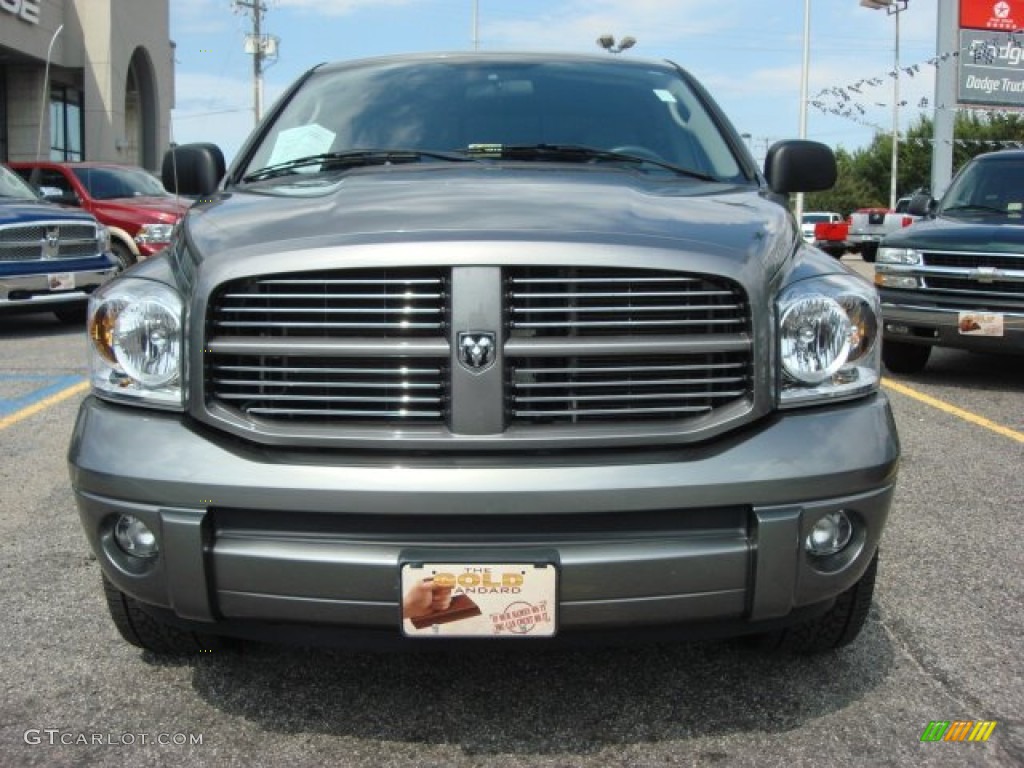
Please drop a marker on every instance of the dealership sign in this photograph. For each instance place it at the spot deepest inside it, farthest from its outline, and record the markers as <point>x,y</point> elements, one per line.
<point>992,14</point>
<point>991,55</point>
<point>26,10</point>
<point>991,69</point>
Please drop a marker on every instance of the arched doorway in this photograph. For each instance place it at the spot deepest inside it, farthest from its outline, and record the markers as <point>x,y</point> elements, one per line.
<point>140,112</point>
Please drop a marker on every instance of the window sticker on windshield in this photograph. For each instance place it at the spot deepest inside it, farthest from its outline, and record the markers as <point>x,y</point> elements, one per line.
<point>664,95</point>
<point>302,141</point>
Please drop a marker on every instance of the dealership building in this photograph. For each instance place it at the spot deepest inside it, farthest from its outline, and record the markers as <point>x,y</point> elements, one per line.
<point>86,80</point>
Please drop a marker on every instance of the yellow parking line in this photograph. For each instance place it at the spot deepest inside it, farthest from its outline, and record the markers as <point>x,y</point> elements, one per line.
<point>35,408</point>
<point>973,418</point>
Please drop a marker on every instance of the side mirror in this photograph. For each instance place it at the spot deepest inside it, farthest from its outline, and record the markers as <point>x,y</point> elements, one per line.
<point>798,165</point>
<point>194,170</point>
<point>921,204</point>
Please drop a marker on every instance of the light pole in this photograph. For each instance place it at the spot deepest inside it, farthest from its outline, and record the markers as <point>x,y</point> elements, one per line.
<point>804,70</point>
<point>893,8</point>
<point>476,25</point>
<point>608,43</point>
<point>46,94</point>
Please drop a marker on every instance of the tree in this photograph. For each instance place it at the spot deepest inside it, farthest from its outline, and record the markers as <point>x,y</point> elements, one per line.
<point>863,180</point>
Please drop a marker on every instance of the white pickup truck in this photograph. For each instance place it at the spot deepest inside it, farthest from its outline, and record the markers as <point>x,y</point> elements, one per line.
<point>869,225</point>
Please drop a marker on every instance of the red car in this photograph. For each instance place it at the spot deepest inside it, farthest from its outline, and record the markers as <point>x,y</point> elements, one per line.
<point>139,212</point>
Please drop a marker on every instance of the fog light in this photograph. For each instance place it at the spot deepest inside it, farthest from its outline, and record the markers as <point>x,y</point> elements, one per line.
<point>134,537</point>
<point>897,281</point>
<point>830,534</point>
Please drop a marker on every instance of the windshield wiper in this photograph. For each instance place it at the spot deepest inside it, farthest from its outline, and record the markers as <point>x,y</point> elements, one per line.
<point>352,158</point>
<point>575,153</point>
<point>980,208</point>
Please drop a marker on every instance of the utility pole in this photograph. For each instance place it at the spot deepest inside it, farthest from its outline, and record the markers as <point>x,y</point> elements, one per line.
<point>255,45</point>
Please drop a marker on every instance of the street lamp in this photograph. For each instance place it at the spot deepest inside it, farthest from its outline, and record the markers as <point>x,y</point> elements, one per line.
<point>804,74</point>
<point>893,8</point>
<point>608,43</point>
<point>46,93</point>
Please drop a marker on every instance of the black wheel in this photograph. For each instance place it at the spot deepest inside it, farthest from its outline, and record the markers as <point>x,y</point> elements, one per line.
<point>834,629</point>
<point>122,254</point>
<point>72,315</point>
<point>901,357</point>
<point>868,252</point>
<point>142,630</point>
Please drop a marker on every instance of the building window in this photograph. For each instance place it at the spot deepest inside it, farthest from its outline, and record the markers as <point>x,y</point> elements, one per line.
<point>65,123</point>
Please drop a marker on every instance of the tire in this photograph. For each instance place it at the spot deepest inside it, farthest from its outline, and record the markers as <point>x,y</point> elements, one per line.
<point>868,252</point>
<point>72,315</point>
<point>838,627</point>
<point>901,357</point>
<point>146,632</point>
<point>122,254</point>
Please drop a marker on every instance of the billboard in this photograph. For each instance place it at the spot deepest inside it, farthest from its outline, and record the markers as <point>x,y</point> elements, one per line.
<point>991,60</point>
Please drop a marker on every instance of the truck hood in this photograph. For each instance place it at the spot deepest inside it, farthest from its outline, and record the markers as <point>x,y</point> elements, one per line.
<point>977,233</point>
<point>164,210</point>
<point>493,203</point>
<point>28,211</point>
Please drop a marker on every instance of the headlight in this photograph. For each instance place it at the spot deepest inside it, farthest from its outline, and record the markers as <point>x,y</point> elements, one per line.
<point>898,256</point>
<point>102,239</point>
<point>135,350</point>
<point>153,234</point>
<point>828,340</point>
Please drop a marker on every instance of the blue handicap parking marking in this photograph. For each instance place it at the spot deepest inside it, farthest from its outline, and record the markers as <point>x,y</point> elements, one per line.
<point>20,390</point>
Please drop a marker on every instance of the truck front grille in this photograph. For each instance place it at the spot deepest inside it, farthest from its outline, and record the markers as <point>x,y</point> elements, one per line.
<point>379,303</point>
<point>40,241</point>
<point>355,389</point>
<point>374,349</point>
<point>554,390</point>
<point>573,302</point>
<point>989,274</point>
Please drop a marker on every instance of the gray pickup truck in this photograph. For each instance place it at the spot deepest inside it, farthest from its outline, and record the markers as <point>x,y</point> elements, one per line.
<point>522,348</point>
<point>51,258</point>
<point>869,226</point>
<point>956,278</point>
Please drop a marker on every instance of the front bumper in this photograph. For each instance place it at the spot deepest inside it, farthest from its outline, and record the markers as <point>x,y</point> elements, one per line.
<point>907,318</point>
<point>703,534</point>
<point>48,289</point>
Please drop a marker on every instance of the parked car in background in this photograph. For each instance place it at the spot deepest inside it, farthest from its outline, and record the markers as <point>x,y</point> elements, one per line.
<point>869,225</point>
<point>134,205</point>
<point>811,218</point>
<point>50,257</point>
<point>956,278</point>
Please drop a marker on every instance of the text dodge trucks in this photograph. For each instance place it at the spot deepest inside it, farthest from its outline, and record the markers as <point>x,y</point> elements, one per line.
<point>498,346</point>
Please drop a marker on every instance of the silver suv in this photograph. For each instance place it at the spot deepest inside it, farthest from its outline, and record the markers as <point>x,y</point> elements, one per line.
<point>487,346</point>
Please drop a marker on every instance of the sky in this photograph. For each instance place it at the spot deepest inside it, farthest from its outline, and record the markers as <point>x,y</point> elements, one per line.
<point>747,53</point>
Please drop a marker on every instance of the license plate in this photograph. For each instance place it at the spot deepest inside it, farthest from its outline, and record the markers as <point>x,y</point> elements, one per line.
<point>980,324</point>
<point>61,281</point>
<point>479,600</point>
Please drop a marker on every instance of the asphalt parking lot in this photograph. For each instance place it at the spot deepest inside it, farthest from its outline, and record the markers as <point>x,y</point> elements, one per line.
<point>943,642</point>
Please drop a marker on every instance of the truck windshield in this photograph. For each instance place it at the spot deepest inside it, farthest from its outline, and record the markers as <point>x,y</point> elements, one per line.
<point>987,187</point>
<point>113,183</point>
<point>480,107</point>
<point>13,186</point>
